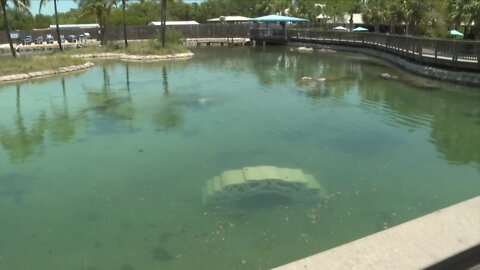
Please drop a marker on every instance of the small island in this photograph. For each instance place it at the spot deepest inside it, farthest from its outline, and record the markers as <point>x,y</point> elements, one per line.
<point>34,66</point>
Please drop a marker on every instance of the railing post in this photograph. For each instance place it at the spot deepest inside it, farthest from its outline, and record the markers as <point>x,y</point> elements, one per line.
<point>405,48</point>
<point>420,51</point>
<point>477,52</point>
<point>454,56</point>
<point>436,51</point>
<point>414,48</point>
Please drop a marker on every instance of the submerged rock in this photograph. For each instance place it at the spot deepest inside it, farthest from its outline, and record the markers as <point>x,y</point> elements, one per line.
<point>161,254</point>
<point>304,49</point>
<point>388,76</point>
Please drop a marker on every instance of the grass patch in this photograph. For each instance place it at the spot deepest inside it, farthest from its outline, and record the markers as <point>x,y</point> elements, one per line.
<point>148,47</point>
<point>174,45</point>
<point>151,47</point>
<point>32,63</point>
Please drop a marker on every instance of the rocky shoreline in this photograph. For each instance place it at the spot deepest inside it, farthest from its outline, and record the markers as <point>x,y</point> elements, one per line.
<point>36,74</point>
<point>133,57</point>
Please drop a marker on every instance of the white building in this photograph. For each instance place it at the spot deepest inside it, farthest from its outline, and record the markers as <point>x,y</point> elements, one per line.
<point>75,26</point>
<point>172,23</point>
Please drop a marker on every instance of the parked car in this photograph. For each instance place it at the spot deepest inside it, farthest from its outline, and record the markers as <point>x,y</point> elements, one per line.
<point>71,38</point>
<point>50,39</point>
<point>27,40</point>
<point>39,40</point>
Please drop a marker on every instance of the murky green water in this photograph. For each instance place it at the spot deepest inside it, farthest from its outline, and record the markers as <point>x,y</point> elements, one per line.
<point>104,169</point>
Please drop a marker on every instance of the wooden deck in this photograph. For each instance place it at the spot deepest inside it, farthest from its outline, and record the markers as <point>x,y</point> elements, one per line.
<point>217,42</point>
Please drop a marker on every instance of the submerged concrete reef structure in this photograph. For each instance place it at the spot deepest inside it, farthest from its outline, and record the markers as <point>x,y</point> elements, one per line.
<point>234,186</point>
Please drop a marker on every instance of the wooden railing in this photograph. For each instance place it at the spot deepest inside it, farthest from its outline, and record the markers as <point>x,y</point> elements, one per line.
<point>436,52</point>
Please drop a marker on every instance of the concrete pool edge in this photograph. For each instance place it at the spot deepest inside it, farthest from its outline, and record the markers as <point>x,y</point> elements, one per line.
<point>415,244</point>
<point>460,77</point>
<point>44,73</point>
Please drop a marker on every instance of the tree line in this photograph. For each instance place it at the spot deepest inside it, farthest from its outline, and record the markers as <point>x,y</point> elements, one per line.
<point>421,17</point>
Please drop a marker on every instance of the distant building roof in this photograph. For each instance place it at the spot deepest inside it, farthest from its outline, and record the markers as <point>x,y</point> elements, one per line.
<point>357,18</point>
<point>174,23</point>
<point>230,19</point>
<point>81,26</point>
<point>323,17</point>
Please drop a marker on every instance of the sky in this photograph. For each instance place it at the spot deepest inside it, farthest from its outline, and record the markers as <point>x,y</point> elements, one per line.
<point>62,6</point>
<point>65,5</point>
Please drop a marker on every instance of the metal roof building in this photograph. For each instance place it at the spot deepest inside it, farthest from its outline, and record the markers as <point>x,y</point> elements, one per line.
<point>75,26</point>
<point>171,23</point>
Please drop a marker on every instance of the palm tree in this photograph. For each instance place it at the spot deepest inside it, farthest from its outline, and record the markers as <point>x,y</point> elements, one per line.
<point>101,9</point>
<point>23,5</point>
<point>414,12</point>
<point>474,10</point>
<point>375,12</point>
<point>124,22</point>
<point>164,22</point>
<point>44,2</point>
<point>464,11</point>
<point>354,6</point>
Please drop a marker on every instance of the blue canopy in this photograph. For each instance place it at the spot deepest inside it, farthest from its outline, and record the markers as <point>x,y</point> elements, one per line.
<point>278,18</point>
<point>360,29</point>
<point>456,33</point>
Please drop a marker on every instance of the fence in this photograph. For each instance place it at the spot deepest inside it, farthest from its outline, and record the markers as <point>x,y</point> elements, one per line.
<point>438,52</point>
<point>146,32</point>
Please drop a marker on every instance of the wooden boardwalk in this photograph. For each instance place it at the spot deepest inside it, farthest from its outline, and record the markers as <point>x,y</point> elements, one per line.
<point>449,54</point>
<point>217,41</point>
<point>421,55</point>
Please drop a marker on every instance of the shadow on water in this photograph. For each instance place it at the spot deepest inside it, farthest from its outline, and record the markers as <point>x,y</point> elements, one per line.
<point>63,126</point>
<point>113,111</point>
<point>168,115</point>
<point>366,144</point>
<point>22,142</point>
<point>14,186</point>
<point>451,116</point>
<point>263,200</point>
<point>161,254</point>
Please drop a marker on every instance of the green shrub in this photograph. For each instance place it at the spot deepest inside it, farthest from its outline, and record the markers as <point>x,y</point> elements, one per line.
<point>172,37</point>
<point>112,46</point>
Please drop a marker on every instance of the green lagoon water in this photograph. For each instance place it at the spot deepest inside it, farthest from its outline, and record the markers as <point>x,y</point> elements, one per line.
<point>104,169</point>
